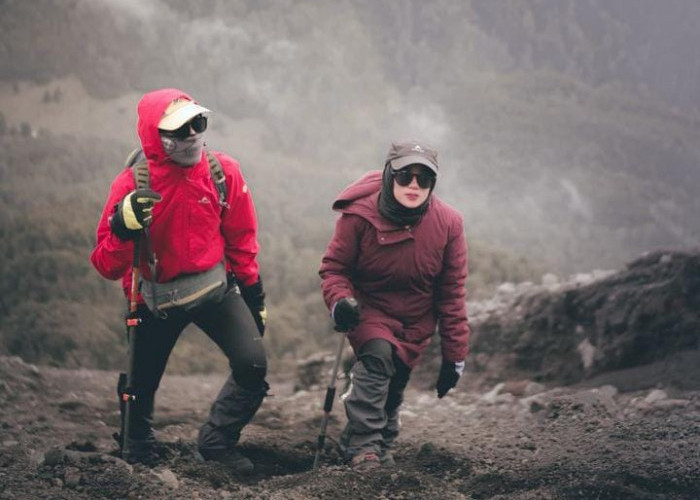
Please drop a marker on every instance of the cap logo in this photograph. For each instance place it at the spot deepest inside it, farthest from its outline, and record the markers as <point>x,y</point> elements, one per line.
<point>418,148</point>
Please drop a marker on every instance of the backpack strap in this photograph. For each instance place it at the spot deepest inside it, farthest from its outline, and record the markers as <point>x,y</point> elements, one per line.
<point>139,164</point>
<point>217,175</point>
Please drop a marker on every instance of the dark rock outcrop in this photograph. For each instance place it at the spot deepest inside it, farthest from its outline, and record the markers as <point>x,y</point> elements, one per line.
<point>564,333</point>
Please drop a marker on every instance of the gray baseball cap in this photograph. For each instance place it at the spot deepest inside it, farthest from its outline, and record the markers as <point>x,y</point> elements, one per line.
<point>402,154</point>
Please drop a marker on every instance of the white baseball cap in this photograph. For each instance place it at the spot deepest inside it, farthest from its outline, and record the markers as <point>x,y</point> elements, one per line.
<point>179,112</point>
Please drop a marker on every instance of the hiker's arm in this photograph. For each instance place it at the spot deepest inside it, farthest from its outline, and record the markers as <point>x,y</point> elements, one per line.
<point>112,256</point>
<point>450,297</point>
<point>240,227</point>
<point>339,260</point>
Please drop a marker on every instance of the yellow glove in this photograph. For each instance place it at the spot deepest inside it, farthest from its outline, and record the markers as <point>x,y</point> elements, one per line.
<point>134,213</point>
<point>137,208</point>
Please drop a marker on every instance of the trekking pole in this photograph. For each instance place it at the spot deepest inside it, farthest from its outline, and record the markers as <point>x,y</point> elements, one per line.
<point>132,321</point>
<point>328,404</point>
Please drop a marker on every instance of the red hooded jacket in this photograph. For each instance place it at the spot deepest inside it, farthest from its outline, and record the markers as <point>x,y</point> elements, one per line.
<point>189,234</point>
<point>407,279</point>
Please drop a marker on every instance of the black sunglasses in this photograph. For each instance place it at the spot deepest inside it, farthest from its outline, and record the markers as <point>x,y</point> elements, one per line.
<point>405,177</point>
<point>198,124</point>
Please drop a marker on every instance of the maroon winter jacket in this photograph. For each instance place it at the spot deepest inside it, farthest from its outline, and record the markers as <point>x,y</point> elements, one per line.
<point>407,279</point>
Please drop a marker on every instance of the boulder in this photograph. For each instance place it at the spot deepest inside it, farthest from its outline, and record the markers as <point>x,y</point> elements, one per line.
<point>572,331</point>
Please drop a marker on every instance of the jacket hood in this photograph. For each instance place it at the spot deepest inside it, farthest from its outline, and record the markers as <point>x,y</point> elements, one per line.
<point>150,110</point>
<point>361,198</point>
<point>368,184</point>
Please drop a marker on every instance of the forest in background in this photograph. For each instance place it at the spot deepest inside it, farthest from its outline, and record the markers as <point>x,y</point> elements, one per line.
<point>567,133</point>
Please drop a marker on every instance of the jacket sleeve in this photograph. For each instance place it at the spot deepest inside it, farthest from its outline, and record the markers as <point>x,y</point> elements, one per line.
<point>111,256</point>
<point>239,226</point>
<point>339,260</point>
<point>450,297</point>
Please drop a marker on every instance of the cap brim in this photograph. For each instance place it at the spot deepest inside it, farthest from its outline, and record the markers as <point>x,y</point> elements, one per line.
<point>404,161</point>
<point>181,116</point>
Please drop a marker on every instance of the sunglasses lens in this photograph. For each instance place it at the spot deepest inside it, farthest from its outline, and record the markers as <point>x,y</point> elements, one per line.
<point>405,177</point>
<point>179,133</point>
<point>424,180</point>
<point>199,123</point>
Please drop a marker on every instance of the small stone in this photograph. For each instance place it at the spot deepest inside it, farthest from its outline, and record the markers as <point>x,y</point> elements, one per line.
<point>54,456</point>
<point>655,395</point>
<point>167,477</point>
<point>71,477</point>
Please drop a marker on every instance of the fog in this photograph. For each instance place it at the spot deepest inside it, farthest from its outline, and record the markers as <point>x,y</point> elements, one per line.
<point>567,130</point>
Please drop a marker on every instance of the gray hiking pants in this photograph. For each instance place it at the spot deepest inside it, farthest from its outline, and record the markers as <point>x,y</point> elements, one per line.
<point>372,402</point>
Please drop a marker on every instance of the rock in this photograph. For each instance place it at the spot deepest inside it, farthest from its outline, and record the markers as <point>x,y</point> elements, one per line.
<point>315,370</point>
<point>550,280</point>
<point>655,395</point>
<point>670,404</point>
<point>520,388</point>
<point>608,390</point>
<point>71,477</point>
<point>167,477</point>
<point>591,324</point>
<point>54,456</point>
<point>490,397</point>
<point>587,352</point>
<point>533,388</point>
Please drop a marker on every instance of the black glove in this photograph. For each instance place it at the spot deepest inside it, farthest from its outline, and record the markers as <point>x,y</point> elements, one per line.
<point>346,314</point>
<point>448,377</point>
<point>133,213</point>
<point>254,297</point>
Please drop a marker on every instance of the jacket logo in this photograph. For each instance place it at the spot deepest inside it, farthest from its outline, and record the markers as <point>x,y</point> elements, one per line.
<point>418,148</point>
<point>204,200</point>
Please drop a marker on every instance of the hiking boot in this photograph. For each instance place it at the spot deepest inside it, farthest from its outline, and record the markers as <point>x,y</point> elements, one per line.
<point>142,451</point>
<point>365,461</point>
<point>386,458</point>
<point>234,460</point>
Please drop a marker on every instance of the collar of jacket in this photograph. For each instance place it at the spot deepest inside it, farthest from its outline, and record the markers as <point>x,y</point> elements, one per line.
<point>361,198</point>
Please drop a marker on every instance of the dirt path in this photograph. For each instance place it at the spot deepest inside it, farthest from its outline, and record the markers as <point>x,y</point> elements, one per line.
<point>56,425</point>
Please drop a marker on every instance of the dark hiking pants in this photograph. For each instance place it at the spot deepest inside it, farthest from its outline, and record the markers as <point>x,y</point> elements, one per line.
<point>378,381</point>
<point>231,326</point>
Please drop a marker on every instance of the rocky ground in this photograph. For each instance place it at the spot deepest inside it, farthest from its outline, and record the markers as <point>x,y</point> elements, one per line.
<point>588,388</point>
<point>517,440</point>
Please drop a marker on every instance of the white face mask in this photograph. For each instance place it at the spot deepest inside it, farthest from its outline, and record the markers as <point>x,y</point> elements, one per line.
<point>185,152</point>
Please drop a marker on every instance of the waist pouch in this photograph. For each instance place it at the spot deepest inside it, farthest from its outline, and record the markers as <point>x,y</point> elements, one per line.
<point>187,291</point>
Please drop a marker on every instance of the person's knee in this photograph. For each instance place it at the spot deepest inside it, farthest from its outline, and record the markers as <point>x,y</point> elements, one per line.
<point>250,376</point>
<point>377,357</point>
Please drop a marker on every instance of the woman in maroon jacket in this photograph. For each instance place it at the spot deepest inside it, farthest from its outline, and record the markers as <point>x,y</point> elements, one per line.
<point>394,270</point>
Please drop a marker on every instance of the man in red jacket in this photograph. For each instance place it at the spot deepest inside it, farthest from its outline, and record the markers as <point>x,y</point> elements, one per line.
<point>195,237</point>
<point>394,269</point>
